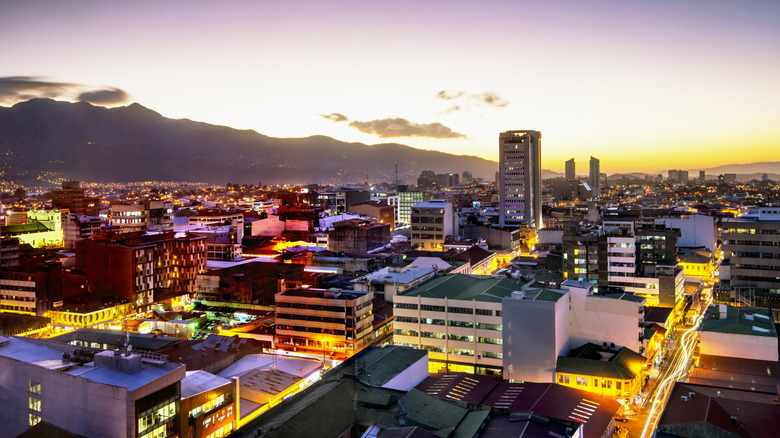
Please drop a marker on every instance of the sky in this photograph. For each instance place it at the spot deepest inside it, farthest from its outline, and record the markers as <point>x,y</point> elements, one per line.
<point>642,85</point>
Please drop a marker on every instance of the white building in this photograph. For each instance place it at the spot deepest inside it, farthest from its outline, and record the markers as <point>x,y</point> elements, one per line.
<point>432,222</point>
<point>520,178</point>
<point>106,395</point>
<point>741,332</point>
<point>387,282</point>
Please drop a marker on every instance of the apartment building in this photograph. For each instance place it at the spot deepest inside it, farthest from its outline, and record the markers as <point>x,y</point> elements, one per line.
<point>134,265</point>
<point>457,318</point>
<point>640,258</point>
<point>750,271</point>
<point>328,320</point>
<point>432,222</point>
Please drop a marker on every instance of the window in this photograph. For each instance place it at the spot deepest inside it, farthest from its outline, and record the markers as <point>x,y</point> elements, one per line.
<point>406,306</point>
<point>484,312</point>
<point>429,308</point>
<point>618,385</point>
<point>34,402</point>
<point>460,310</point>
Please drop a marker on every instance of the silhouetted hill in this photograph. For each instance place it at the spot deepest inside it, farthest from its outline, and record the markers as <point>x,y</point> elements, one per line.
<point>134,143</point>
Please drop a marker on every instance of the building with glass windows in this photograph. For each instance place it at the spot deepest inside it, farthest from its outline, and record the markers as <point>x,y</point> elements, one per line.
<point>112,394</point>
<point>520,178</point>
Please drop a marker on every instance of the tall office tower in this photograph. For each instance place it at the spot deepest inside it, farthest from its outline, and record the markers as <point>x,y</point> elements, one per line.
<point>520,178</point>
<point>570,176</point>
<point>702,176</point>
<point>593,177</point>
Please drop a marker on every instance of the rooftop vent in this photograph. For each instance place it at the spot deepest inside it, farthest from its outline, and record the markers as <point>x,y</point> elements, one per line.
<point>684,398</point>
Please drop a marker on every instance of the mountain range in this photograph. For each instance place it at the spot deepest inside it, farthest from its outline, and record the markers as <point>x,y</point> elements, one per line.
<point>44,139</point>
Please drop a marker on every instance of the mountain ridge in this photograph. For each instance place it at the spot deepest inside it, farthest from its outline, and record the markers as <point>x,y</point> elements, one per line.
<point>132,143</point>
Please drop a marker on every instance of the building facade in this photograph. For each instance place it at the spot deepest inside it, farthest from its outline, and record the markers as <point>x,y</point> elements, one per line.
<point>332,320</point>
<point>593,177</point>
<point>570,170</point>
<point>520,178</point>
<point>432,222</point>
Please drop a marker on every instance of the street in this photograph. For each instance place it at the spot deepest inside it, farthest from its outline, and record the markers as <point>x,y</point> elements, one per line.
<point>674,368</point>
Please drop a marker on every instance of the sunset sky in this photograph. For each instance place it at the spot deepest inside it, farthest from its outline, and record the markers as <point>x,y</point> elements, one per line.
<point>642,85</point>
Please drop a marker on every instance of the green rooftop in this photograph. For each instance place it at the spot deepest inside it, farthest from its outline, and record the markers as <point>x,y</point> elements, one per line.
<point>592,360</point>
<point>479,288</point>
<point>739,321</point>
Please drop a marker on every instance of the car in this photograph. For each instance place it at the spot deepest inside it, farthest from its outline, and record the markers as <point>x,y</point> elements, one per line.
<point>621,417</point>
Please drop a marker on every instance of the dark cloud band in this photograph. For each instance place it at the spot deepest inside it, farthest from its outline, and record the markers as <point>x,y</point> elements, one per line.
<point>398,127</point>
<point>15,89</point>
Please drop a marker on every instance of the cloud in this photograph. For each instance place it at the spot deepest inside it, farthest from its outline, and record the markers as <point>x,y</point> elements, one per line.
<point>336,117</point>
<point>398,127</point>
<point>463,101</point>
<point>15,89</point>
<point>109,96</point>
<point>449,95</point>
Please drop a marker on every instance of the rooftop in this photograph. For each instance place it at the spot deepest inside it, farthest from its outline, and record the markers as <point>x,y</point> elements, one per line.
<point>197,382</point>
<point>466,287</point>
<point>592,360</point>
<point>140,341</point>
<point>35,353</point>
<point>739,321</point>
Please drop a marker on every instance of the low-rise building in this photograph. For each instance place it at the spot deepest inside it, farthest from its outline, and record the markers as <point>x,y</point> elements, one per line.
<point>331,320</point>
<point>121,395</point>
<point>387,282</point>
<point>743,332</point>
<point>432,222</point>
<point>609,372</point>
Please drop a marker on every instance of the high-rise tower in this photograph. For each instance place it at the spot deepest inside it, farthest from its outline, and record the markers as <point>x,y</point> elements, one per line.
<point>593,180</point>
<point>520,178</point>
<point>570,175</point>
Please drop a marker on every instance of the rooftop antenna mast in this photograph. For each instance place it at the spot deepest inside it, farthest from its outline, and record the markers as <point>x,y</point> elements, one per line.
<point>396,175</point>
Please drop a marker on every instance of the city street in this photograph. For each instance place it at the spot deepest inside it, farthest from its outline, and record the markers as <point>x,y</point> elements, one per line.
<point>675,367</point>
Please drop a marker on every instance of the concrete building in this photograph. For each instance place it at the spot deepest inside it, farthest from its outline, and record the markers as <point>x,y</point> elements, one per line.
<point>209,405</point>
<point>79,227</point>
<point>390,198</point>
<point>432,222</point>
<point>623,253</point>
<point>383,213</point>
<point>696,230</point>
<point>535,332</point>
<point>329,320</point>
<point>570,173</point>
<point>133,265</point>
<point>520,178</point>
<point>457,318</point>
<point>30,289</point>
<point>150,215</point>
<point>112,395</point>
<point>594,177</point>
<point>73,198</point>
<point>751,267</point>
<point>358,236</point>
<point>388,282</point>
<point>219,217</point>
<point>741,332</point>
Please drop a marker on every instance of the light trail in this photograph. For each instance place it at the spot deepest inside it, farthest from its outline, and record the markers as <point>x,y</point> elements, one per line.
<point>680,366</point>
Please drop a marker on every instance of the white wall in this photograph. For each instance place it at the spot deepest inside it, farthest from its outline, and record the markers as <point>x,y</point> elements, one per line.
<point>742,346</point>
<point>410,377</point>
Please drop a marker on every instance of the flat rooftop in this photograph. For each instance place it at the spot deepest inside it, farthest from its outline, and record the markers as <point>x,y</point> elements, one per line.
<point>479,288</point>
<point>34,353</point>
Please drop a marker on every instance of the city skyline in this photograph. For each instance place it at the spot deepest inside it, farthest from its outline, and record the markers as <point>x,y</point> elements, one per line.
<point>641,87</point>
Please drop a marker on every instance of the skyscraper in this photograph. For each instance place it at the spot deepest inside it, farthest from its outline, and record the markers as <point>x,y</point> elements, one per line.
<point>520,178</point>
<point>570,175</point>
<point>593,177</point>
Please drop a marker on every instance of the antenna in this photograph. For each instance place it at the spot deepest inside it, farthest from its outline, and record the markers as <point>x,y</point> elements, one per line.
<point>396,175</point>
